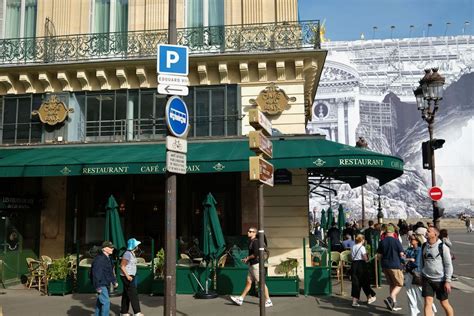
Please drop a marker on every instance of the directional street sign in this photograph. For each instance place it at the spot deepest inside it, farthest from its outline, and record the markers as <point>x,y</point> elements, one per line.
<point>261,170</point>
<point>173,89</point>
<point>176,144</point>
<point>177,116</point>
<point>258,120</point>
<point>175,162</point>
<point>260,144</point>
<point>172,60</point>
<point>173,80</point>
<point>435,193</point>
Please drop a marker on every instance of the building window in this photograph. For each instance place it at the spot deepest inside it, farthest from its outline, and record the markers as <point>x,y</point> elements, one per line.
<point>19,18</point>
<point>110,16</point>
<point>17,126</point>
<point>206,17</point>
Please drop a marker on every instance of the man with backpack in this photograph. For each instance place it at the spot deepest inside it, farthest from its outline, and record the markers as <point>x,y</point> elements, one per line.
<point>437,271</point>
<point>252,260</point>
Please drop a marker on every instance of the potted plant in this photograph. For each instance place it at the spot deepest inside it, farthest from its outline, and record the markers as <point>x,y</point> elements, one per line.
<point>287,284</point>
<point>59,276</point>
<point>157,286</point>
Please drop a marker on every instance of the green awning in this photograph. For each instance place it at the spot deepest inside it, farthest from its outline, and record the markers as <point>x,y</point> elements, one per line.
<point>320,156</point>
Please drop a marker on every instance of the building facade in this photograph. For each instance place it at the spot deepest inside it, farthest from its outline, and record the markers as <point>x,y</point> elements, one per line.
<point>79,75</point>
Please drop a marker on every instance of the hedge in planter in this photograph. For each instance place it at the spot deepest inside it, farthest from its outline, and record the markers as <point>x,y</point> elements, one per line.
<point>284,285</point>
<point>59,277</point>
<point>158,284</point>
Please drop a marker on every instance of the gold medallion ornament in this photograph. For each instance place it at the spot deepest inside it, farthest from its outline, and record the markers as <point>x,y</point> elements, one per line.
<point>272,100</point>
<point>53,111</point>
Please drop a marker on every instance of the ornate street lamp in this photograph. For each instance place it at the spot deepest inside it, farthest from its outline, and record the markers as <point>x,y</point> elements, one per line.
<point>379,208</point>
<point>428,94</point>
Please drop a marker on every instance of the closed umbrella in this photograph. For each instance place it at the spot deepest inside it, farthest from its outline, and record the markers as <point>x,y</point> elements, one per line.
<point>113,226</point>
<point>213,244</point>
<point>330,218</point>
<point>324,221</point>
<point>341,218</point>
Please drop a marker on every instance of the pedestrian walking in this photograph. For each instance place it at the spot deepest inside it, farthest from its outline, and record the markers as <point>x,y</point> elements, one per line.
<point>102,277</point>
<point>370,233</point>
<point>390,254</point>
<point>128,272</point>
<point>334,235</point>
<point>359,273</point>
<point>252,260</point>
<point>437,270</point>
<point>467,221</point>
<point>413,276</point>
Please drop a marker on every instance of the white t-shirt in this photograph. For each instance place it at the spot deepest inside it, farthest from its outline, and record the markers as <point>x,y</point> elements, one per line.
<point>131,266</point>
<point>357,252</point>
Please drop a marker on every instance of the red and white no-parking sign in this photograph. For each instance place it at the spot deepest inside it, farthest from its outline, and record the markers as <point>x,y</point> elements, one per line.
<point>435,193</point>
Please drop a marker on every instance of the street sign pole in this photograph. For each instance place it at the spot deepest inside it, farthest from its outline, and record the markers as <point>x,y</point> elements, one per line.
<point>170,216</point>
<point>261,245</point>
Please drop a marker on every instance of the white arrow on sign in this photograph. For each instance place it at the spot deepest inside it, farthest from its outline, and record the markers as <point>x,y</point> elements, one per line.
<point>173,90</point>
<point>173,80</point>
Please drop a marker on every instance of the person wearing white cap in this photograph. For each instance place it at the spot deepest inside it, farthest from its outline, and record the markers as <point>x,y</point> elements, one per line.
<point>128,271</point>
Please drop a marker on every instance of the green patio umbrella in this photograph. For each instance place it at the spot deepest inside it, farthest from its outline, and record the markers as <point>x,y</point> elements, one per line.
<point>324,221</point>
<point>213,244</point>
<point>330,218</point>
<point>113,226</point>
<point>341,218</point>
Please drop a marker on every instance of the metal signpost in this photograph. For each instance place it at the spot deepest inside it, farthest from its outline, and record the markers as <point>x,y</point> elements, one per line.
<point>262,171</point>
<point>173,67</point>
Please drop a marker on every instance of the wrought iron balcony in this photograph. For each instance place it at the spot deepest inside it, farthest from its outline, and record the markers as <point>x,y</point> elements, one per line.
<point>142,44</point>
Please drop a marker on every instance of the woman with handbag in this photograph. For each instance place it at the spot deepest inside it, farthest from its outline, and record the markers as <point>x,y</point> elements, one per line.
<point>413,276</point>
<point>359,273</point>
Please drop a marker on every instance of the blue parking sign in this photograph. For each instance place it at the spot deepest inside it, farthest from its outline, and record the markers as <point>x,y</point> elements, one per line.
<point>172,59</point>
<point>177,116</point>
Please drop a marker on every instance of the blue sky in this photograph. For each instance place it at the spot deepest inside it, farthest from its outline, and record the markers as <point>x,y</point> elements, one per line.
<point>347,19</point>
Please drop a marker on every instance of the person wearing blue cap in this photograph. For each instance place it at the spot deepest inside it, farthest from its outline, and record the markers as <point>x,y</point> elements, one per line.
<point>128,271</point>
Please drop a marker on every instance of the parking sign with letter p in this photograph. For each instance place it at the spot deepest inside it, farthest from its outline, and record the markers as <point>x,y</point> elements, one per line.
<point>172,60</point>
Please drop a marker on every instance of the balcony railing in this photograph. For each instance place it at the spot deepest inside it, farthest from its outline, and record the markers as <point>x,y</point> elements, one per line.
<point>142,44</point>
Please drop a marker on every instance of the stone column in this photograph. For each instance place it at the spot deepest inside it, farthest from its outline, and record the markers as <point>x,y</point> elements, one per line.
<point>129,120</point>
<point>53,217</point>
<point>341,129</point>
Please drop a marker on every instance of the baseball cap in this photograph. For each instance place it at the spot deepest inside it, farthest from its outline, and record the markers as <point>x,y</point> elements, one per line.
<point>390,229</point>
<point>107,244</point>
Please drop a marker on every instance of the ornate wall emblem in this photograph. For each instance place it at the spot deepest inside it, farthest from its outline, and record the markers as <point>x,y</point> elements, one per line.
<point>272,100</point>
<point>53,111</point>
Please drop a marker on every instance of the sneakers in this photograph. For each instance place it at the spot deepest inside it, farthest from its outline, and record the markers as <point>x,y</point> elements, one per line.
<point>238,300</point>
<point>396,308</point>
<point>268,303</point>
<point>355,304</point>
<point>371,299</point>
<point>389,303</point>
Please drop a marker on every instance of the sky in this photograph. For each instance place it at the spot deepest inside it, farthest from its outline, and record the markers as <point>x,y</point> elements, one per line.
<point>348,19</point>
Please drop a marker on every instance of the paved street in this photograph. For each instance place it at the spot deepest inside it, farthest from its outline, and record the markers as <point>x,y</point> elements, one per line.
<point>20,301</point>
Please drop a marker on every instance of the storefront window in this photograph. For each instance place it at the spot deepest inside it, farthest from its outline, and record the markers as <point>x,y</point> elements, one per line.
<point>17,126</point>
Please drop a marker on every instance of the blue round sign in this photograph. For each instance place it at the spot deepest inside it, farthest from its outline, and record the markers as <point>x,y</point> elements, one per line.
<point>177,116</point>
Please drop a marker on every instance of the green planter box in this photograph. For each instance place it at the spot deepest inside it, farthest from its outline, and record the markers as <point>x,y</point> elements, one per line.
<point>317,281</point>
<point>283,286</point>
<point>145,278</point>
<point>84,284</point>
<point>231,280</point>
<point>157,287</point>
<point>60,287</point>
<point>186,283</point>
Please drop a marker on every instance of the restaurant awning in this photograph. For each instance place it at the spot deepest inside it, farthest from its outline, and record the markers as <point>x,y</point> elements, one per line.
<point>317,154</point>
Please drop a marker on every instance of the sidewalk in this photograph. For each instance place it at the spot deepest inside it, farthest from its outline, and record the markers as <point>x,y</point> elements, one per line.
<point>21,301</point>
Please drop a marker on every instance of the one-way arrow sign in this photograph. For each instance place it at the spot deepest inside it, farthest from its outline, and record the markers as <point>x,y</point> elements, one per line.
<point>173,89</point>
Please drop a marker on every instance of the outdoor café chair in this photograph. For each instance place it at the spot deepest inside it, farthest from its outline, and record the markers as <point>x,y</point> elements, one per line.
<point>336,262</point>
<point>222,261</point>
<point>36,273</point>
<point>346,261</point>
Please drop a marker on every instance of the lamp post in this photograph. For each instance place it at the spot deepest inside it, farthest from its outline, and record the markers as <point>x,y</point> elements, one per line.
<point>428,94</point>
<point>379,208</point>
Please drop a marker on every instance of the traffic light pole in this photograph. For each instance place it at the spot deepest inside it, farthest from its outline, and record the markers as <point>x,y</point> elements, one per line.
<point>433,172</point>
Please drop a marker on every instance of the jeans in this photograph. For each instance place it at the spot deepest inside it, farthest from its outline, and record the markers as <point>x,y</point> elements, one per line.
<point>129,295</point>
<point>102,306</point>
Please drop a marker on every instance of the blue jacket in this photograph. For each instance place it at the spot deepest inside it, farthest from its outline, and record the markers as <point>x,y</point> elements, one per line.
<point>416,254</point>
<point>102,271</point>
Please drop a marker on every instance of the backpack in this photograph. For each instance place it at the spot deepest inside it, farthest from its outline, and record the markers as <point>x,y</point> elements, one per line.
<point>266,252</point>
